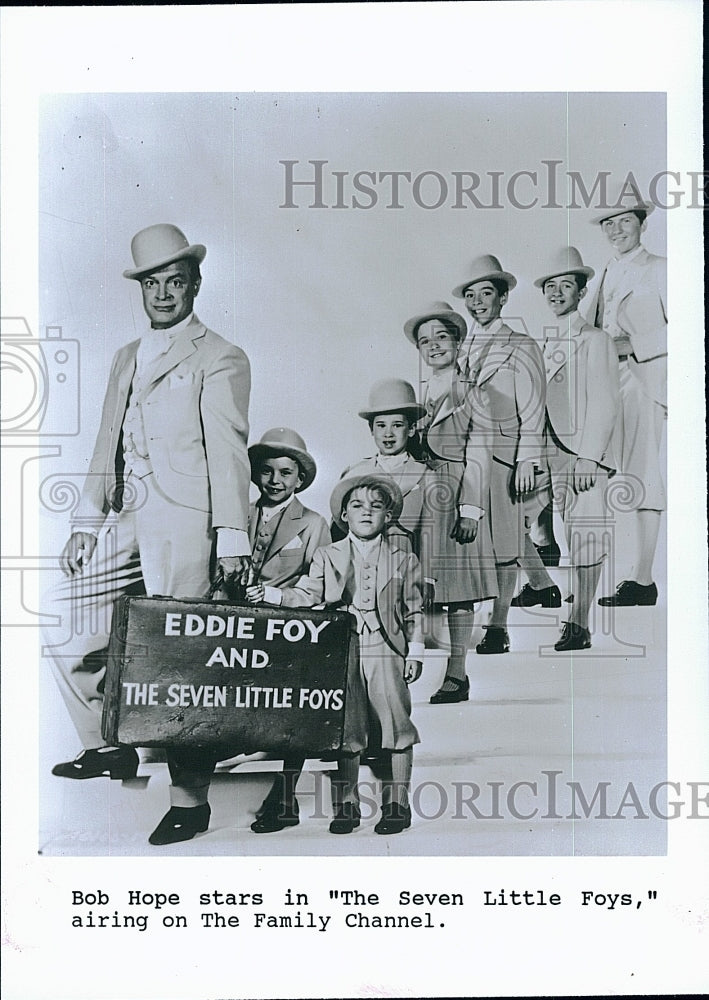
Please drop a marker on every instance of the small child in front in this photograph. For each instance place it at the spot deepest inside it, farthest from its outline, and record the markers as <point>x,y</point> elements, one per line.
<point>381,586</point>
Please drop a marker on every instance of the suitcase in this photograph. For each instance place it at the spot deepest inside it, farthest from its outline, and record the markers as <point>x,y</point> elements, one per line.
<point>229,678</point>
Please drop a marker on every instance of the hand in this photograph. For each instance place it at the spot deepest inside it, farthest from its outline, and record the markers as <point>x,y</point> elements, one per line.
<point>524,477</point>
<point>255,593</point>
<point>585,472</point>
<point>429,592</point>
<point>77,552</point>
<point>412,671</point>
<point>235,571</point>
<point>465,530</point>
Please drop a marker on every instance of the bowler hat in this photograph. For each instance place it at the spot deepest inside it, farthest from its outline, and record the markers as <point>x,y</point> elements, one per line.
<point>160,245</point>
<point>393,395</point>
<point>281,441</point>
<point>372,481</point>
<point>484,268</point>
<point>565,261</point>
<point>436,310</point>
<point>622,198</point>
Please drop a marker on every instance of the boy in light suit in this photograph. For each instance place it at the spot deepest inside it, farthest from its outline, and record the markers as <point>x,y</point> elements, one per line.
<point>582,401</point>
<point>381,586</point>
<point>284,536</point>
<point>630,303</point>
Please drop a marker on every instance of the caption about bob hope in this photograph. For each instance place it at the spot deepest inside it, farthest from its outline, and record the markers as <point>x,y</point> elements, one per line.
<point>138,910</point>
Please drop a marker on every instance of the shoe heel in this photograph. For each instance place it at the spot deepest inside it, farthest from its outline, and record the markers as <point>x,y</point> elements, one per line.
<point>122,772</point>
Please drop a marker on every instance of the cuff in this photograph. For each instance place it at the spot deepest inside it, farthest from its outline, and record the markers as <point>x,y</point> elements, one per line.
<point>470,510</point>
<point>416,651</point>
<point>232,542</point>
<point>429,579</point>
<point>272,595</point>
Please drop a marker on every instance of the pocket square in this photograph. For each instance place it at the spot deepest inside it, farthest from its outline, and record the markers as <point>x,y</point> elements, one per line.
<point>294,543</point>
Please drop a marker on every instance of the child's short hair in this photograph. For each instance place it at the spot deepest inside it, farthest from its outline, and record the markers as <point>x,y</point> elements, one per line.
<point>377,488</point>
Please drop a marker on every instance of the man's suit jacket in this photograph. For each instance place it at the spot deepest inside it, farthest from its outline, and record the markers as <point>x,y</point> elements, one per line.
<point>642,314</point>
<point>195,414</point>
<point>460,431</point>
<point>582,389</point>
<point>298,534</point>
<point>510,376</point>
<point>399,602</point>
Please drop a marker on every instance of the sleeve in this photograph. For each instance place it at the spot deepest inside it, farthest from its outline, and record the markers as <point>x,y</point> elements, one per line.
<point>224,406</point>
<point>93,505</point>
<point>530,400</point>
<point>602,397</point>
<point>412,601</point>
<point>477,455</point>
<point>318,536</point>
<point>309,590</point>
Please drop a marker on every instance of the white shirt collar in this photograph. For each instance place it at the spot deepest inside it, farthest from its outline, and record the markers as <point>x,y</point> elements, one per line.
<point>365,547</point>
<point>267,513</point>
<point>625,258</point>
<point>390,462</point>
<point>171,331</point>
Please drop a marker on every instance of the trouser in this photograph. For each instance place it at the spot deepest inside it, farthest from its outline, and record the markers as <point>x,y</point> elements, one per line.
<point>156,545</point>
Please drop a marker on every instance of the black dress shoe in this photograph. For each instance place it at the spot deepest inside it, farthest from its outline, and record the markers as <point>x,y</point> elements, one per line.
<point>495,640</point>
<point>528,597</point>
<point>461,692</point>
<point>549,554</point>
<point>630,594</point>
<point>346,818</point>
<point>180,823</point>
<point>113,762</point>
<point>395,819</point>
<point>276,817</point>
<point>573,636</point>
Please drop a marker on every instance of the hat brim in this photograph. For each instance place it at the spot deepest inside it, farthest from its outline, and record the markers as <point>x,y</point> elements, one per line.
<point>412,324</point>
<point>505,276</point>
<point>355,482</point>
<point>263,449</point>
<point>642,206</point>
<point>588,271</point>
<point>414,410</point>
<point>198,251</point>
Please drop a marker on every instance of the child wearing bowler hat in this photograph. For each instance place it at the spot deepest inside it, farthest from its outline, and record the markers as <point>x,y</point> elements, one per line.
<point>284,535</point>
<point>507,368</point>
<point>457,443</point>
<point>380,585</point>
<point>392,414</point>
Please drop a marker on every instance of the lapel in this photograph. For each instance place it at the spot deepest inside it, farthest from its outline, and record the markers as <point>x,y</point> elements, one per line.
<point>340,562</point>
<point>453,400</point>
<point>499,350</point>
<point>406,478</point>
<point>559,351</point>
<point>385,568</point>
<point>289,526</point>
<point>184,344</point>
<point>123,383</point>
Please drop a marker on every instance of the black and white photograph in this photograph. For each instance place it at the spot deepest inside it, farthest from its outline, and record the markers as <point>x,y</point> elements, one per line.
<point>351,524</point>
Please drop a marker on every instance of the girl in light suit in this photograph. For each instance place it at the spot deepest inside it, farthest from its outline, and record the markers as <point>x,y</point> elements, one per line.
<point>457,446</point>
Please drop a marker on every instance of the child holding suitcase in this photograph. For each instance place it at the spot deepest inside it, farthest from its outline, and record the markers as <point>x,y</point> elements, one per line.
<point>380,585</point>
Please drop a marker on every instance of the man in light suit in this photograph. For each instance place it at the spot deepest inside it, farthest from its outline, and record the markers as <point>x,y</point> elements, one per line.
<point>582,403</point>
<point>629,303</point>
<point>166,497</point>
<point>508,369</point>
